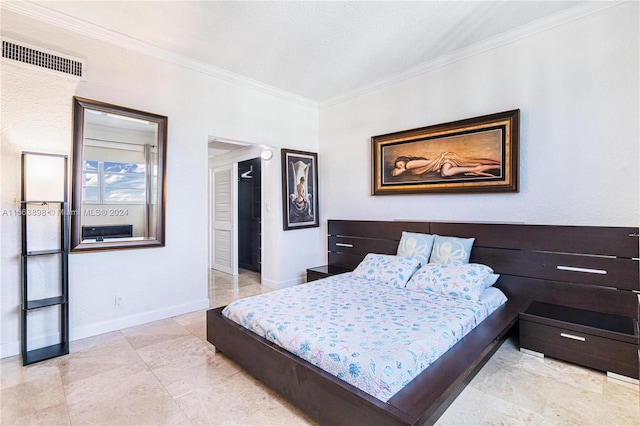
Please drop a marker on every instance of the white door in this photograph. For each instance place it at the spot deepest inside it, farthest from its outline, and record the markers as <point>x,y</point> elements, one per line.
<point>223,188</point>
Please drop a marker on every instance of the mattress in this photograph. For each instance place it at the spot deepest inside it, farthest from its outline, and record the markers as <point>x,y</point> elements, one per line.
<point>369,334</point>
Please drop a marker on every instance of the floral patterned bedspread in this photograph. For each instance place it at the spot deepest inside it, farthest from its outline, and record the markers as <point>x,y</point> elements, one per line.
<point>371,335</point>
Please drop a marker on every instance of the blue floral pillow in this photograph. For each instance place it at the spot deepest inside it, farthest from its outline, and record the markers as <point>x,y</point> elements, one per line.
<point>416,246</point>
<point>451,250</point>
<point>461,281</point>
<point>387,269</point>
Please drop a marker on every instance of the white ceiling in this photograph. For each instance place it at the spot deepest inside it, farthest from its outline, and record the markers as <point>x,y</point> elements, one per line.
<point>317,51</point>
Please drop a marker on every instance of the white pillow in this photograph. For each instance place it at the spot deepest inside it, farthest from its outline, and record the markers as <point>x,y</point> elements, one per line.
<point>462,281</point>
<point>386,268</point>
<point>451,250</point>
<point>416,246</point>
<point>492,298</point>
<point>491,280</point>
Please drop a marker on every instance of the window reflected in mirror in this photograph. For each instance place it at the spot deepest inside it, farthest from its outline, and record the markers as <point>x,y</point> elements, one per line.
<point>118,183</point>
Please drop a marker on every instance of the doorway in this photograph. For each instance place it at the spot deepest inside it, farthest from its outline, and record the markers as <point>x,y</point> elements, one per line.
<point>240,200</point>
<point>249,214</point>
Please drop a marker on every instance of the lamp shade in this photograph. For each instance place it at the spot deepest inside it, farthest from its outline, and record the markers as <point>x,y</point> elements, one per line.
<point>44,177</point>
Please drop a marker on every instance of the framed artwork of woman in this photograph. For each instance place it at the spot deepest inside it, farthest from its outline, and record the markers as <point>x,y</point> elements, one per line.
<point>299,189</point>
<point>474,155</point>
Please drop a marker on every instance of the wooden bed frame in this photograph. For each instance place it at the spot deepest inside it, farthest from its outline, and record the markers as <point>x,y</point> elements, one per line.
<point>536,262</point>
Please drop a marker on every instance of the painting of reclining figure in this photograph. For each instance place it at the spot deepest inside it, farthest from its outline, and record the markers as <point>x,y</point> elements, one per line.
<point>299,189</point>
<point>474,155</point>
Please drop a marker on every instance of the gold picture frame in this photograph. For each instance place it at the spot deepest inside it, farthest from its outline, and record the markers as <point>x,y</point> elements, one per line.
<point>478,154</point>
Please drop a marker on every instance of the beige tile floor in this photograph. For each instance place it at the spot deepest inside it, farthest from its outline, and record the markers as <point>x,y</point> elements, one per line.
<point>165,373</point>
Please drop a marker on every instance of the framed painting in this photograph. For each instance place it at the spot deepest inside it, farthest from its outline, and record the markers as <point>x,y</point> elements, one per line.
<point>299,189</point>
<point>478,154</point>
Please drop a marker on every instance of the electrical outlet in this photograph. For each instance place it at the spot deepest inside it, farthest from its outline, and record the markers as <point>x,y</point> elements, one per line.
<point>118,301</point>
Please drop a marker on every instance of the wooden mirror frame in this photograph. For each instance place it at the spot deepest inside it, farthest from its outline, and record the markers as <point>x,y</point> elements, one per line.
<point>80,105</point>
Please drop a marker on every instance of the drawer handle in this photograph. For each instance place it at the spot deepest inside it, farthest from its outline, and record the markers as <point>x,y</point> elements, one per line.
<point>571,336</point>
<point>586,270</point>
<point>344,245</point>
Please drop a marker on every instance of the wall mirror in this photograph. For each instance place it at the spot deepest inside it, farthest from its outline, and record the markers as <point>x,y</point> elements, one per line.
<point>118,175</point>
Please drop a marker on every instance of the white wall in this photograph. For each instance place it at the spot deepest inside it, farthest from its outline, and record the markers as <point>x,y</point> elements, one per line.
<point>154,283</point>
<point>577,88</point>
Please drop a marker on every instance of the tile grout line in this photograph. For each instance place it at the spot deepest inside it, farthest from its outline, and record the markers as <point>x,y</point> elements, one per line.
<point>157,378</point>
<point>64,391</point>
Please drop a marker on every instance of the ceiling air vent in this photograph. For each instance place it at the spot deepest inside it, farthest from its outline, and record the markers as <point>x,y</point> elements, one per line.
<point>29,55</point>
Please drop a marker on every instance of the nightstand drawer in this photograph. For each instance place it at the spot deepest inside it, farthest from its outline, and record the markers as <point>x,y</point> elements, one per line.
<point>600,353</point>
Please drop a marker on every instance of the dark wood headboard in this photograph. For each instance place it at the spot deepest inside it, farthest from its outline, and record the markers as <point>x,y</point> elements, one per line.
<point>586,267</point>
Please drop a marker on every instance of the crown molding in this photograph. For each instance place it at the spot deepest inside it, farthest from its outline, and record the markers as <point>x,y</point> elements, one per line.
<point>76,25</point>
<point>565,16</point>
<point>58,19</point>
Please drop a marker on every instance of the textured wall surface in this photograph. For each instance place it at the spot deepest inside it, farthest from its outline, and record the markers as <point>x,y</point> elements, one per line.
<point>577,88</point>
<point>159,282</point>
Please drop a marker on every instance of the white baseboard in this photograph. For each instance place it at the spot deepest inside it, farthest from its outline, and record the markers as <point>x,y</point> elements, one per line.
<point>290,283</point>
<point>13,348</point>
<point>77,333</point>
<point>281,284</point>
<point>622,378</point>
<point>9,349</point>
<point>269,283</point>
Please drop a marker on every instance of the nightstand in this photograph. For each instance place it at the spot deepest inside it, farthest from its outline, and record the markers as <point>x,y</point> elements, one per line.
<point>324,271</point>
<point>600,341</point>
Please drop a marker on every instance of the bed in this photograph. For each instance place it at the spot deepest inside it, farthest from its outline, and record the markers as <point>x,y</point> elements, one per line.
<point>535,262</point>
